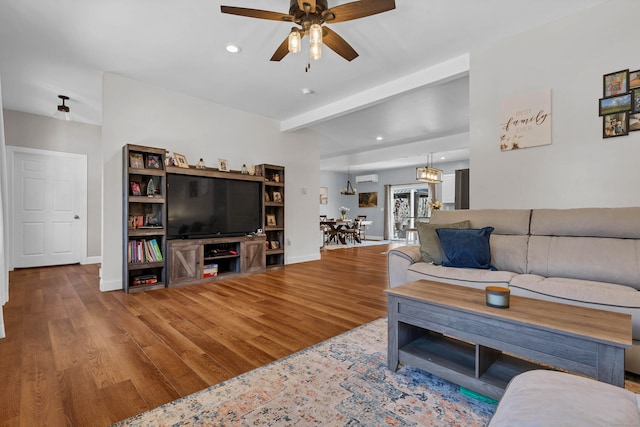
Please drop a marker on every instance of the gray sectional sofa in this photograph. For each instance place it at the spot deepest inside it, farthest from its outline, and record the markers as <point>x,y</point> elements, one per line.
<point>588,257</point>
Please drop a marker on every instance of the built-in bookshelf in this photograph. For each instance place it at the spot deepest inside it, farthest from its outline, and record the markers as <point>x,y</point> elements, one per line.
<point>144,213</point>
<point>274,202</point>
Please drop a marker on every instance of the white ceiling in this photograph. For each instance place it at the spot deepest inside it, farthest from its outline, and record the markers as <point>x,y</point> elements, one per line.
<point>63,47</point>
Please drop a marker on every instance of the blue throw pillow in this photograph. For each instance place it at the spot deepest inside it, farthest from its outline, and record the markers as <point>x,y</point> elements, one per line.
<point>467,248</point>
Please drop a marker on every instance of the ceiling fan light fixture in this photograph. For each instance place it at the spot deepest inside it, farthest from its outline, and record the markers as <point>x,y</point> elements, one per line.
<point>294,41</point>
<point>315,51</point>
<point>315,34</point>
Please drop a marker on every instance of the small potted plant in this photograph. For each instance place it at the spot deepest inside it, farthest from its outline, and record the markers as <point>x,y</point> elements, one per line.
<point>343,212</point>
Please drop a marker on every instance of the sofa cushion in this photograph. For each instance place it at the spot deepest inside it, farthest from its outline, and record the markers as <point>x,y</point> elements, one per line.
<point>621,223</point>
<point>548,398</point>
<point>470,277</point>
<point>590,258</point>
<point>430,247</point>
<point>505,221</point>
<point>508,241</point>
<point>468,248</point>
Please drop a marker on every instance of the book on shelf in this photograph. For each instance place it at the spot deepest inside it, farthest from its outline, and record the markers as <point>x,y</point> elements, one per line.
<point>146,279</point>
<point>144,251</point>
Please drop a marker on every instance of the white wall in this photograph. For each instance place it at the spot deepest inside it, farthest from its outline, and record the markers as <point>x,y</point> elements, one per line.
<point>579,168</point>
<point>46,133</point>
<point>136,113</point>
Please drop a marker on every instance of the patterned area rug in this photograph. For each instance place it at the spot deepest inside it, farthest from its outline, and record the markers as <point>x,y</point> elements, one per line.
<point>343,381</point>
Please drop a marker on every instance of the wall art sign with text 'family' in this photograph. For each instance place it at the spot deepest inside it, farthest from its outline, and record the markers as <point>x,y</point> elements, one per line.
<point>525,120</point>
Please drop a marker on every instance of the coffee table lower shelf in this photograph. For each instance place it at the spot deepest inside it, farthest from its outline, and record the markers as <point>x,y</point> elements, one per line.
<point>479,368</point>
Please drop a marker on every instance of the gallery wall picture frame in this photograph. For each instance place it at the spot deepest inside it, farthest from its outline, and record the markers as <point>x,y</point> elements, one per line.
<point>635,100</point>
<point>634,79</point>
<point>634,122</point>
<point>615,104</point>
<point>223,165</point>
<point>271,220</point>
<point>277,197</point>
<point>616,124</point>
<point>616,83</point>
<point>181,160</point>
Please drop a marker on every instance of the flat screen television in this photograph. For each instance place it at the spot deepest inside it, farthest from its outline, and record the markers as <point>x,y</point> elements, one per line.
<point>201,207</point>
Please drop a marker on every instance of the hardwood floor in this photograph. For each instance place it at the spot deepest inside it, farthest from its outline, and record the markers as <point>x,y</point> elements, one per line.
<point>77,356</point>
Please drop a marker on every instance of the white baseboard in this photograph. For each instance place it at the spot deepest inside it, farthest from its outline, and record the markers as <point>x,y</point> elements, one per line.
<point>111,285</point>
<point>304,258</point>
<point>374,237</point>
<point>92,260</point>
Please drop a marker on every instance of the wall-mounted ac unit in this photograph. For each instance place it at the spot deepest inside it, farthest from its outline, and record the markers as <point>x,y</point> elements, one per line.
<point>367,178</point>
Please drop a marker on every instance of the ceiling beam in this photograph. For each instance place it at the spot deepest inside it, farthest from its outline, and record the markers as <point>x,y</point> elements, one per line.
<point>440,73</point>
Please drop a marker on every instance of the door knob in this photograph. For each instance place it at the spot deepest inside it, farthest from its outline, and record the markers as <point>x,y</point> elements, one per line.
<point>76,217</point>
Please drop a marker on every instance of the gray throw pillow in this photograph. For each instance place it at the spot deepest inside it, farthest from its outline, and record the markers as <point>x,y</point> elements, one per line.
<point>430,248</point>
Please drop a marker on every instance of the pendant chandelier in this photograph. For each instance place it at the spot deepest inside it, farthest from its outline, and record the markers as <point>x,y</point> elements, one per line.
<point>349,190</point>
<point>428,173</point>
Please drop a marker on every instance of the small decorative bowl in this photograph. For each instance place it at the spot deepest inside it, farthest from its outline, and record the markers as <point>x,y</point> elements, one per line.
<point>497,296</point>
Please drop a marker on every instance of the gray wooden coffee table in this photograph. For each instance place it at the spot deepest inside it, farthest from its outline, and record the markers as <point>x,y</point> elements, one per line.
<point>449,331</point>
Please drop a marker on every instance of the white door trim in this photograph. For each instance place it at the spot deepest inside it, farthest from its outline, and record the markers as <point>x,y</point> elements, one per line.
<point>11,151</point>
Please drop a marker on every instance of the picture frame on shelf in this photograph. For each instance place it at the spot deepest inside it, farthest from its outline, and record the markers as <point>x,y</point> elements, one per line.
<point>181,160</point>
<point>616,124</point>
<point>634,79</point>
<point>136,160</point>
<point>223,165</point>
<point>135,189</point>
<point>275,244</point>
<point>615,83</point>
<point>154,161</point>
<point>277,197</point>
<point>615,104</point>
<point>271,220</point>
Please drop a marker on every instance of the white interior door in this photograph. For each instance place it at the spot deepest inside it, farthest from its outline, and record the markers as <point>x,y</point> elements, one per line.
<point>49,204</point>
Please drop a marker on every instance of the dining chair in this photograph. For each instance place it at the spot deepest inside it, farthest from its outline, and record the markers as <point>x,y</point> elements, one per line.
<point>363,227</point>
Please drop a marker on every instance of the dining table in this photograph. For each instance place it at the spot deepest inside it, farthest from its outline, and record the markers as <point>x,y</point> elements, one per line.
<point>336,231</point>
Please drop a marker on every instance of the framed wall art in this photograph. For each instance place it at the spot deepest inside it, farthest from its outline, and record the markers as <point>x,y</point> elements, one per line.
<point>616,83</point>
<point>616,124</point>
<point>324,195</point>
<point>368,200</point>
<point>615,104</point>
<point>525,120</point>
<point>634,79</point>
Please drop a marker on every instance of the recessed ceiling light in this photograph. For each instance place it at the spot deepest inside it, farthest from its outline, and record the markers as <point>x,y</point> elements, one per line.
<point>307,91</point>
<point>443,158</point>
<point>379,138</point>
<point>232,48</point>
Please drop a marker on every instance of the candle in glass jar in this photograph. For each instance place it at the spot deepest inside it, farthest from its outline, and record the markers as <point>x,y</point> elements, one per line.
<point>497,296</point>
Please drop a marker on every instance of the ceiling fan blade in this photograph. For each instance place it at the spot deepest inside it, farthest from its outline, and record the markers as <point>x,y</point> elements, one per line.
<point>312,5</point>
<point>283,49</point>
<point>357,9</point>
<point>256,13</point>
<point>338,44</point>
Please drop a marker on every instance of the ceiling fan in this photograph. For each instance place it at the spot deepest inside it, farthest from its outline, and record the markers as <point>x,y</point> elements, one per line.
<point>310,15</point>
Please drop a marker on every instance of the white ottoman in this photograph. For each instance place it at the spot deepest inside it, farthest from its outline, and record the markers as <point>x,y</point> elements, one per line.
<point>555,399</point>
